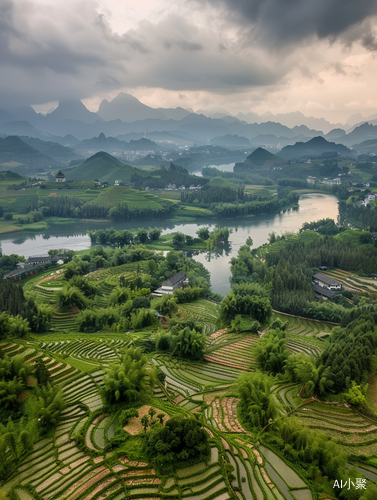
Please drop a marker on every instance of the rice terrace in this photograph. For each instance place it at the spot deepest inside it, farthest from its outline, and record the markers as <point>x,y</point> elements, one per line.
<point>111,391</point>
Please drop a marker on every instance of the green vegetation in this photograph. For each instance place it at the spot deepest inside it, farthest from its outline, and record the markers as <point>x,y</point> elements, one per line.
<point>178,440</point>
<point>114,400</point>
<point>89,193</point>
<point>258,407</point>
<point>102,167</point>
<point>128,380</point>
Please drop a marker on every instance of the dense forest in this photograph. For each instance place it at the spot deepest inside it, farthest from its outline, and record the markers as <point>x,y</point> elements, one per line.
<point>365,217</point>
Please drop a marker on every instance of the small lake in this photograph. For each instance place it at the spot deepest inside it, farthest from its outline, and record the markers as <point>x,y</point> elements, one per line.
<point>73,236</point>
<point>225,167</point>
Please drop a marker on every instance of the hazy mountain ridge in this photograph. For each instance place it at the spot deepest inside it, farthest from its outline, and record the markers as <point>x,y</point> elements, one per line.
<point>125,115</point>
<point>314,147</point>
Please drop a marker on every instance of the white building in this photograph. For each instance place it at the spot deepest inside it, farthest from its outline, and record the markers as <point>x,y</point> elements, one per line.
<point>60,177</point>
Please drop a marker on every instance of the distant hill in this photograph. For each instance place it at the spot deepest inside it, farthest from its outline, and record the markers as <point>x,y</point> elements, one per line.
<point>127,108</point>
<point>230,140</point>
<point>112,144</point>
<point>73,109</point>
<point>24,128</point>
<point>336,133</point>
<point>174,113</point>
<point>101,143</point>
<point>52,149</point>
<point>367,147</point>
<point>364,132</point>
<point>314,147</point>
<point>103,167</point>
<point>7,175</point>
<point>18,156</point>
<point>259,159</point>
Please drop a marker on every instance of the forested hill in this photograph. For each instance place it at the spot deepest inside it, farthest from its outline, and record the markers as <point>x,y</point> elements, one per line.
<point>15,153</point>
<point>315,147</point>
<point>259,159</point>
<point>102,167</point>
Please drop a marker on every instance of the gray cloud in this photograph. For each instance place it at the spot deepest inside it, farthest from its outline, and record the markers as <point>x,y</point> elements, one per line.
<point>64,51</point>
<point>277,23</point>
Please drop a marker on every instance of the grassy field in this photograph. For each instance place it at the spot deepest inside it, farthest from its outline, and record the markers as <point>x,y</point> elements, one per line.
<point>116,194</point>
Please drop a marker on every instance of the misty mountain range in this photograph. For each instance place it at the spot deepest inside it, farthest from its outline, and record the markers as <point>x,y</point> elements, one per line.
<point>125,124</point>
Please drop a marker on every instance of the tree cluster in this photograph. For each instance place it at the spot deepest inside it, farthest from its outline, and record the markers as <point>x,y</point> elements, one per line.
<point>180,439</point>
<point>257,405</point>
<point>129,379</point>
<point>162,177</point>
<point>313,451</point>
<point>29,408</point>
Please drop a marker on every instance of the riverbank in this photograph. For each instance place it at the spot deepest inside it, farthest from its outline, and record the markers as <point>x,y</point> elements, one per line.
<point>182,214</point>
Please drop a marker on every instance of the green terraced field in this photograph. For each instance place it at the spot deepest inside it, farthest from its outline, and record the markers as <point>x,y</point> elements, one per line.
<point>58,468</point>
<point>352,431</point>
<point>304,327</point>
<point>202,310</point>
<point>234,349</point>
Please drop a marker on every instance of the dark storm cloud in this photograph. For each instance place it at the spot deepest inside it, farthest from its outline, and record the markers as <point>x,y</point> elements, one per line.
<point>277,23</point>
<point>68,49</point>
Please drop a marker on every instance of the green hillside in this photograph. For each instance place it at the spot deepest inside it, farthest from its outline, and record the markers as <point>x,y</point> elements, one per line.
<point>10,176</point>
<point>18,156</point>
<point>260,158</point>
<point>112,196</point>
<point>102,167</point>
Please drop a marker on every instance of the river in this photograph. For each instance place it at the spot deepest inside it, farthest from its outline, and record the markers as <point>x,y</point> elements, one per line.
<point>73,236</point>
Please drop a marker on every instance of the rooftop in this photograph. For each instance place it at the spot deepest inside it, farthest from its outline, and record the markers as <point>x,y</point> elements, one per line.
<point>326,279</point>
<point>324,291</point>
<point>176,278</point>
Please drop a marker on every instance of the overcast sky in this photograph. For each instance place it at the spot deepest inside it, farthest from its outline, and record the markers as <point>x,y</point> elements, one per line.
<point>313,56</point>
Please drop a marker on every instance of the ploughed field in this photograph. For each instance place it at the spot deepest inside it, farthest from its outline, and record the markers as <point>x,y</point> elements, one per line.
<point>62,466</point>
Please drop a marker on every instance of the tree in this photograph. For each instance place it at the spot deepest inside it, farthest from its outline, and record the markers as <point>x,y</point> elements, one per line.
<point>71,296</point>
<point>188,344</point>
<point>154,234</point>
<point>179,440</point>
<point>168,305</point>
<point>145,422</point>
<point>119,295</point>
<point>41,372</point>
<point>40,320</point>
<point>257,404</point>
<point>271,351</point>
<point>45,405</point>
<point>142,235</point>
<point>355,396</point>
<point>160,417</point>
<point>151,412</point>
<point>203,233</point>
<point>130,378</point>
<point>179,239</point>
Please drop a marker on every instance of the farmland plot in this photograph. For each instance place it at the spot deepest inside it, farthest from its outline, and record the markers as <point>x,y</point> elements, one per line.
<point>352,431</point>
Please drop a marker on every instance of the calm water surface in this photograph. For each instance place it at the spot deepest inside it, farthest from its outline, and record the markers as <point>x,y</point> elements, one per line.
<point>225,167</point>
<point>73,236</point>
